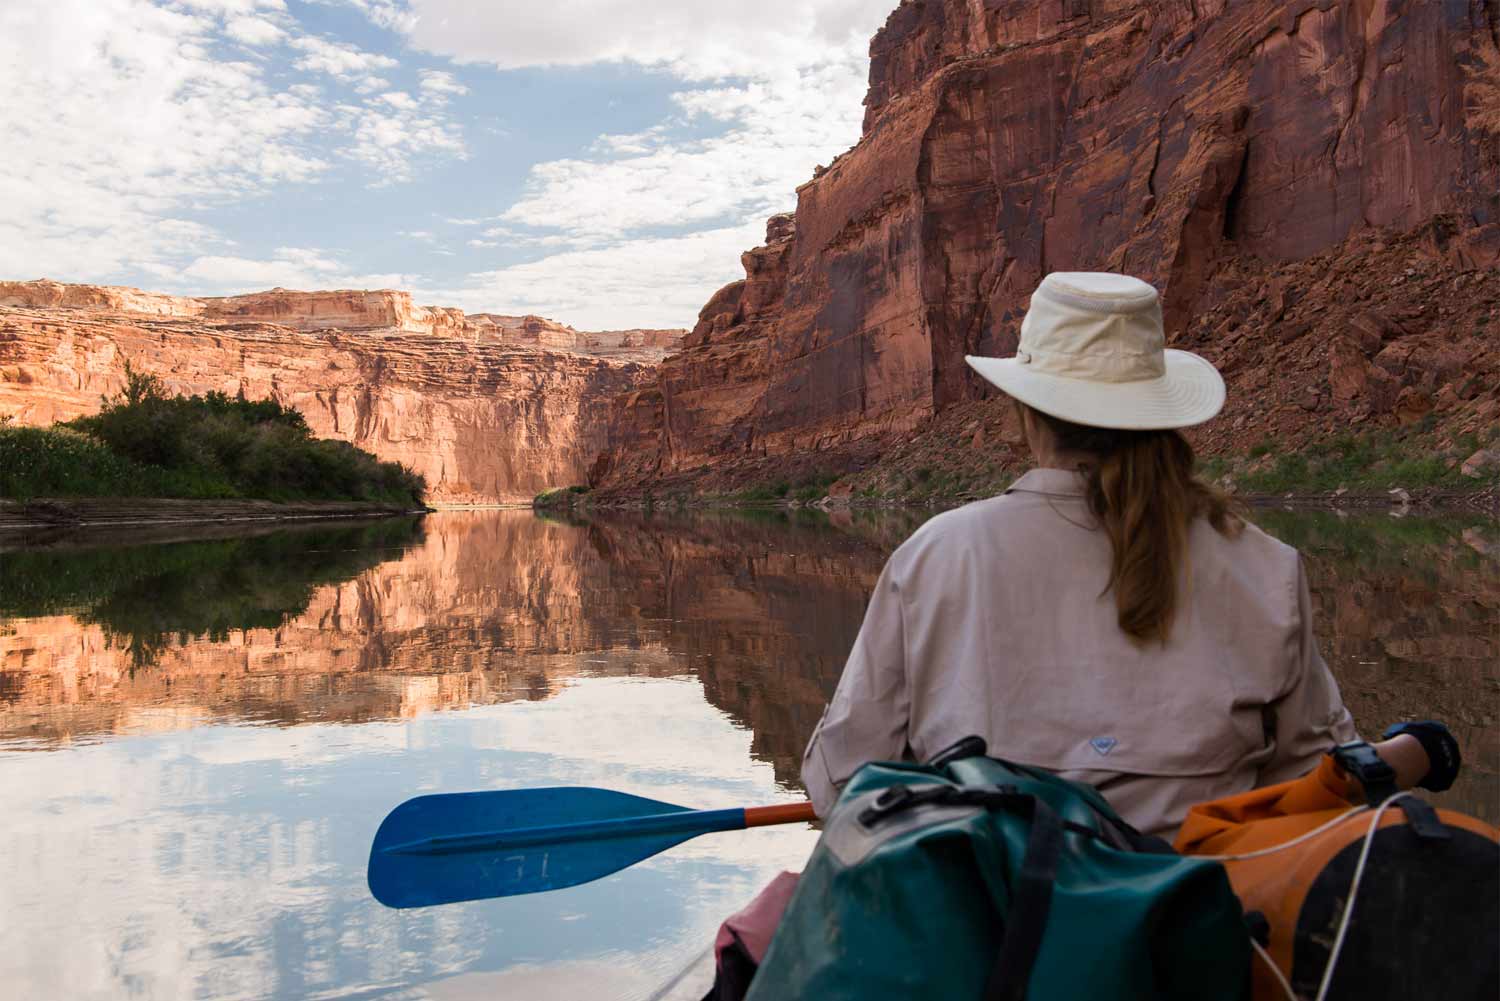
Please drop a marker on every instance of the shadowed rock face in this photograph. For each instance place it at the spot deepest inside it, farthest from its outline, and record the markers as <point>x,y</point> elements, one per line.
<point>1005,140</point>
<point>488,408</point>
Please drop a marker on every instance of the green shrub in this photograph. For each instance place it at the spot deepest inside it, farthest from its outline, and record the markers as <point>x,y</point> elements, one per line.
<point>147,444</point>
<point>559,497</point>
<point>57,462</point>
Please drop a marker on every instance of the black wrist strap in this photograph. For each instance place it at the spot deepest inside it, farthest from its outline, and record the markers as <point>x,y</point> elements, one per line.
<point>1444,759</point>
<point>1376,778</point>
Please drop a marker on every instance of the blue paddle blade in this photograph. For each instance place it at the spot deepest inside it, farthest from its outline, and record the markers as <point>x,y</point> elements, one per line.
<point>472,846</point>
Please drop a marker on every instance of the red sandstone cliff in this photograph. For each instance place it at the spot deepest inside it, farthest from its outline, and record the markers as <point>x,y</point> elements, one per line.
<point>1199,144</point>
<point>486,410</point>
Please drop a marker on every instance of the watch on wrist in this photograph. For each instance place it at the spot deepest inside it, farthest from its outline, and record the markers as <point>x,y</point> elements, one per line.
<point>1378,779</point>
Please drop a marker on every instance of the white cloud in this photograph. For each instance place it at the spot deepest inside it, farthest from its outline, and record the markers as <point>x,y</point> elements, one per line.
<point>346,63</point>
<point>124,119</point>
<point>777,85</point>
<point>291,267</point>
<point>116,116</point>
<point>253,30</point>
<point>647,282</point>
<point>228,8</point>
<point>438,85</point>
<point>780,130</point>
<point>288,267</point>
<point>802,66</point>
<point>400,100</point>
<point>392,142</point>
<point>696,39</point>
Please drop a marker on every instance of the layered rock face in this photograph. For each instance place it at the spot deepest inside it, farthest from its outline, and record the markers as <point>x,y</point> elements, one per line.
<point>485,413</point>
<point>382,309</point>
<point>539,331</point>
<point>46,294</point>
<point>1170,139</point>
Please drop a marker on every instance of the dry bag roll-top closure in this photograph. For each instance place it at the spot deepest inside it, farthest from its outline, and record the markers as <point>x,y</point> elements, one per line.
<point>970,877</point>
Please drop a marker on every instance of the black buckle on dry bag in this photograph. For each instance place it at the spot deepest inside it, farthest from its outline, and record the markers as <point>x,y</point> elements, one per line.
<point>898,799</point>
<point>1424,820</point>
<point>972,746</point>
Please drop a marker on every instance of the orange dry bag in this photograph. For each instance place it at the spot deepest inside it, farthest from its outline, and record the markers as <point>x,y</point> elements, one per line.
<point>1409,913</point>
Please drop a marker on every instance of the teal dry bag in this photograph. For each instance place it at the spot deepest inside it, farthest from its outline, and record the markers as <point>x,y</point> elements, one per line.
<point>972,878</point>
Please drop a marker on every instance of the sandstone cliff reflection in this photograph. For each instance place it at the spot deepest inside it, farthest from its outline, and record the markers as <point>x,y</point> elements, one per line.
<point>470,609</point>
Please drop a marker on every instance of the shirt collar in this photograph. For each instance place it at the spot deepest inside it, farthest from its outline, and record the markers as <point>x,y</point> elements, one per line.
<point>1061,482</point>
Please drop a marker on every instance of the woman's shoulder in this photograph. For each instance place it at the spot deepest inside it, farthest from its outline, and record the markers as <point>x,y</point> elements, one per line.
<point>1248,539</point>
<point>959,529</point>
<point>1251,554</point>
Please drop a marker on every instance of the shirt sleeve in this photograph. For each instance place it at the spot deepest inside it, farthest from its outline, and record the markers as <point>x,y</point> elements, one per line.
<point>867,718</point>
<point>1309,718</point>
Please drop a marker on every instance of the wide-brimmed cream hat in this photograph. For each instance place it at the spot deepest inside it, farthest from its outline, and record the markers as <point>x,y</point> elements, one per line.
<point>1093,352</point>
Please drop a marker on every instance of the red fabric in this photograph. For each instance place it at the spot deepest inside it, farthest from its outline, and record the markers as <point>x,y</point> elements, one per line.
<point>756,922</point>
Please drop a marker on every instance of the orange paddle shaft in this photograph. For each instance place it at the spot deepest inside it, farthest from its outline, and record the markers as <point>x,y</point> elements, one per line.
<point>790,813</point>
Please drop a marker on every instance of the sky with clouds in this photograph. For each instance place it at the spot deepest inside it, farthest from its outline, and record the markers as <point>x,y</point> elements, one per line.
<point>601,162</point>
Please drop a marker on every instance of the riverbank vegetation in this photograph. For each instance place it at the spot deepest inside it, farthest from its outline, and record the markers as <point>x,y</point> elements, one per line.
<point>149,597</point>
<point>972,461</point>
<point>147,443</point>
<point>1369,463</point>
<point>561,498</point>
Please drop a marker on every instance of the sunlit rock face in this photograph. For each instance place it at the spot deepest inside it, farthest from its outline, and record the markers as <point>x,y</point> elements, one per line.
<point>382,309</point>
<point>46,294</point>
<point>489,409</point>
<point>1006,140</point>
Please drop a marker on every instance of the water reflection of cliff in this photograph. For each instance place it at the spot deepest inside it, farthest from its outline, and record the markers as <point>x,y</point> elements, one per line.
<point>1408,615</point>
<point>149,598</point>
<point>1408,618</point>
<point>496,606</point>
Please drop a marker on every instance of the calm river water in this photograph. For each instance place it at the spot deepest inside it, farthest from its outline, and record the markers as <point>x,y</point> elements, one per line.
<point>199,738</point>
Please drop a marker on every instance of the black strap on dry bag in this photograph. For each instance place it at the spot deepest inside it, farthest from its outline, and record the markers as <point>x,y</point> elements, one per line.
<point>1031,900</point>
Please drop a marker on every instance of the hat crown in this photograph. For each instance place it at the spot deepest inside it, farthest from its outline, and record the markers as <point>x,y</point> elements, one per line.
<point>1096,326</point>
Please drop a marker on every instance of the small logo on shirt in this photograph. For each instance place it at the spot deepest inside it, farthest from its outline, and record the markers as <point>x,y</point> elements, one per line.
<point>1103,744</point>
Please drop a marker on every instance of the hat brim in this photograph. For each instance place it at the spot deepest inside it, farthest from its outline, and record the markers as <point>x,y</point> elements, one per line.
<point>1190,392</point>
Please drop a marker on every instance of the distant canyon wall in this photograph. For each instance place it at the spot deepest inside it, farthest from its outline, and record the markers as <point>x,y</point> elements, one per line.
<point>488,408</point>
<point>1177,140</point>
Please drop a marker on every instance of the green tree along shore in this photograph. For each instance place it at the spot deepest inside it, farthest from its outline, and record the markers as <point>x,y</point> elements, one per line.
<point>148,597</point>
<point>146,443</point>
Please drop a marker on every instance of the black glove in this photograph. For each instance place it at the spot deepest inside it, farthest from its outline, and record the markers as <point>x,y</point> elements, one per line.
<point>1443,757</point>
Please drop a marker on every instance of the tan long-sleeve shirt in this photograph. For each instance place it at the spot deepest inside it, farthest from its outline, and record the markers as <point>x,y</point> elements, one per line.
<point>992,620</point>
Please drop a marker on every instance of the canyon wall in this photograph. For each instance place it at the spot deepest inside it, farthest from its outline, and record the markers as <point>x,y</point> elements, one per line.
<point>1189,142</point>
<point>487,411</point>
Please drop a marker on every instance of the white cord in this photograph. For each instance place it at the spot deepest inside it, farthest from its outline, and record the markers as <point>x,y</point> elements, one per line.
<point>1359,873</point>
<point>1326,825</point>
<point>1286,988</point>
